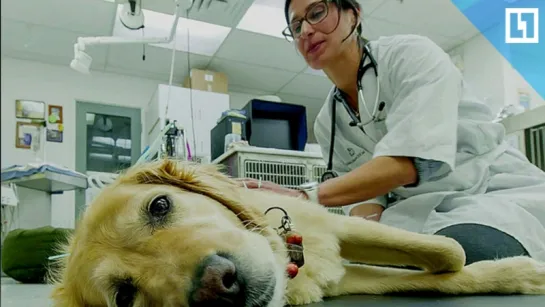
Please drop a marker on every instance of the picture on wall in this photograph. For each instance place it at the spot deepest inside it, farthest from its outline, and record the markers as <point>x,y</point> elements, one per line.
<point>29,109</point>
<point>24,133</point>
<point>54,135</point>
<point>55,114</point>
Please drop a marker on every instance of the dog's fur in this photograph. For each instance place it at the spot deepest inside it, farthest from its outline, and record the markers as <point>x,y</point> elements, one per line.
<point>115,241</point>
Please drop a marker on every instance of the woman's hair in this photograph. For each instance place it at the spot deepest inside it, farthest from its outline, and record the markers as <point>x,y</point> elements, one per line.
<point>341,4</point>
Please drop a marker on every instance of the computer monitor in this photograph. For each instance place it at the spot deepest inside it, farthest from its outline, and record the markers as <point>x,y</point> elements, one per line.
<point>276,125</point>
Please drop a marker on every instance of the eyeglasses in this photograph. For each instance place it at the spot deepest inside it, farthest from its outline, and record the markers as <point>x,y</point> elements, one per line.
<point>315,14</point>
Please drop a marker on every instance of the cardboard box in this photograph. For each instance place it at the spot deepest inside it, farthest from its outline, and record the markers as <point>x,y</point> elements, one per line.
<point>206,80</point>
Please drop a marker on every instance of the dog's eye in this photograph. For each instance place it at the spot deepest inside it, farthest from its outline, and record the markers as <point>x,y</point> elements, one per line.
<point>125,295</point>
<point>159,206</point>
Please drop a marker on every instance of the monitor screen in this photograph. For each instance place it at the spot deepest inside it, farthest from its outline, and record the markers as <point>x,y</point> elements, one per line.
<point>271,133</point>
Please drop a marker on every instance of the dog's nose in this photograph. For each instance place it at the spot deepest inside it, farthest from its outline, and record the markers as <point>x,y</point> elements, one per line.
<point>216,284</point>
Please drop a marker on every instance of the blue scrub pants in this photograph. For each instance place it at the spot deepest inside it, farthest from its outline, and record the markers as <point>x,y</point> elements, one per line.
<point>482,242</point>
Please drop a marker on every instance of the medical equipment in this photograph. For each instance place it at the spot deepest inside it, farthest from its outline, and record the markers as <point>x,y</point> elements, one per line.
<point>132,17</point>
<point>356,121</point>
<point>170,143</point>
<point>288,168</point>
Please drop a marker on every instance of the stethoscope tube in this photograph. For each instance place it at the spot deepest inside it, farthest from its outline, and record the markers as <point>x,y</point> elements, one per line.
<point>356,122</point>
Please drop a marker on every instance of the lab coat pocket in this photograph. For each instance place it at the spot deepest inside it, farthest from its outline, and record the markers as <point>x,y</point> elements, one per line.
<point>381,128</point>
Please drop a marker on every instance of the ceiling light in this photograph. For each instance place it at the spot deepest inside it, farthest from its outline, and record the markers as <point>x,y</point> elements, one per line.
<point>265,17</point>
<point>204,38</point>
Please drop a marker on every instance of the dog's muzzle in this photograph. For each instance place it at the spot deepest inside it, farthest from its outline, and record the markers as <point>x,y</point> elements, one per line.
<point>220,281</point>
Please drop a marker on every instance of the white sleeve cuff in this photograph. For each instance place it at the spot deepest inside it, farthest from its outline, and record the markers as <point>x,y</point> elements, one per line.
<point>381,200</point>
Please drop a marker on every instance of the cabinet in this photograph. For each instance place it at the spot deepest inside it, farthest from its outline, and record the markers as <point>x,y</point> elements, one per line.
<point>197,111</point>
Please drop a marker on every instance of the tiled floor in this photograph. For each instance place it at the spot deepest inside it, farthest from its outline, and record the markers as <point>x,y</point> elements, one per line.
<point>18,295</point>
<point>14,294</point>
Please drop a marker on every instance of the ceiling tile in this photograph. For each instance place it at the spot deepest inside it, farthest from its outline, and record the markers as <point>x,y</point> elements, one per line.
<point>252,76</point>
<point>311,71</point>
<point>15,34</point>
<point>225,13</point>
<point>142,74</point>
<point>93,17</point>
<point>249,91</point>
<point>308,86</point>
<point>44,58</point>
<point>157,62</point>
<point>259,49</point>
<point>425,16</point>
<point>19,36</point>
<point>190,35</point>
<point>265,17</point>
<point>374,28</point>
<point>369,6</point>
<point>52,41</point>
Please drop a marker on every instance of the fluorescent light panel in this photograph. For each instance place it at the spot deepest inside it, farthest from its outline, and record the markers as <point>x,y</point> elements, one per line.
<point>264,17</point>
<point>204,38</point>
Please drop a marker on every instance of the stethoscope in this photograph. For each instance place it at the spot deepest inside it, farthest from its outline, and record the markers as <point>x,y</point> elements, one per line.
<point>356,121</point>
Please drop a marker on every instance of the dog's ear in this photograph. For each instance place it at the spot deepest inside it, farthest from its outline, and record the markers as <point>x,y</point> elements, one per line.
<point>205,179</point>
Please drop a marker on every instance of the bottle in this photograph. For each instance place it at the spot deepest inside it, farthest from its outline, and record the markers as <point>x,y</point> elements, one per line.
<point>230,138</point>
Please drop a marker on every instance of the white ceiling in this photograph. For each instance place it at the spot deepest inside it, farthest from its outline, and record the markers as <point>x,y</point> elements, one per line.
<point>45,31</point>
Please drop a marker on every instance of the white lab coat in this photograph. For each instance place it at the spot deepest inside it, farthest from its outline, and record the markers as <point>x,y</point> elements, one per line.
<point>430,113</point>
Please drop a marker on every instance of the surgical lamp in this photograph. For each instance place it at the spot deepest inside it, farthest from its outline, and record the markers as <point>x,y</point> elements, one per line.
<point>132,17</point>
<point>171,141</point>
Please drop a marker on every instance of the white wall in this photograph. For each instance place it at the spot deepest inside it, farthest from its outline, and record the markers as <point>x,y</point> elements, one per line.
<point>60,85</point>
<point>491,76</point>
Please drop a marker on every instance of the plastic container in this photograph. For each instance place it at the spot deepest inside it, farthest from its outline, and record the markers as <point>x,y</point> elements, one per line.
<point>230,138</point>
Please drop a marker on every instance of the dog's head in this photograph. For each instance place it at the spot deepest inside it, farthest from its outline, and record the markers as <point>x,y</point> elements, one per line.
<point>172,234</point>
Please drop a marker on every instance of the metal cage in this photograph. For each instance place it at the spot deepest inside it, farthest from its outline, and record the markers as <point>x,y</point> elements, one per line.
<point>535,145</point>
<point>284,167</point>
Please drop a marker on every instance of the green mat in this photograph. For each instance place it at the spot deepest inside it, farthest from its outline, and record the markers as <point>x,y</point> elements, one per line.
<point>25,252</point>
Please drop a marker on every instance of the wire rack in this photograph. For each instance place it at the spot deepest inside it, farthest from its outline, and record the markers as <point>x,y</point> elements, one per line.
<point>536,145</point>
<point>283,167</point>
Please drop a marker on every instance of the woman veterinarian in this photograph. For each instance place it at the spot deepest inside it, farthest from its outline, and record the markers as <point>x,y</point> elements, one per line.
<point>410,145</point>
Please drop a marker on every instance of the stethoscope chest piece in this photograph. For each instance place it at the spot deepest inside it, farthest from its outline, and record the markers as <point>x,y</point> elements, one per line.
<point>329,174</point>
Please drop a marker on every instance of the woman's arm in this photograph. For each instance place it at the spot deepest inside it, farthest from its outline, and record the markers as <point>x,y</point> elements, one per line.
<point>421,123</point>
<point>368,211</point>
<point>374,178</point>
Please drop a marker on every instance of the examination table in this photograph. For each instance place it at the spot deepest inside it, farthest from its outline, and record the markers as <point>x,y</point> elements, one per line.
<point>434,301</point>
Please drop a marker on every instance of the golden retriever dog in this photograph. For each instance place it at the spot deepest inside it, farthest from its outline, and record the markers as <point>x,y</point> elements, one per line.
<point>179,234</point>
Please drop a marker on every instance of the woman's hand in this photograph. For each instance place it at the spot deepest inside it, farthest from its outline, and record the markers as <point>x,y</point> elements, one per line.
<point>269,186</point>
<point>371,212</point>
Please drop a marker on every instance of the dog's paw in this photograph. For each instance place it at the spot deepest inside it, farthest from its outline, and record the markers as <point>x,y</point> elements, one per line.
<point>447,255</point>
<point>303,294</point>
<point>516,275</point>
<point>302,297</point>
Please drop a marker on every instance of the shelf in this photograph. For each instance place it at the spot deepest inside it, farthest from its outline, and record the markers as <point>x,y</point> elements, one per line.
<point>50,182</point>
